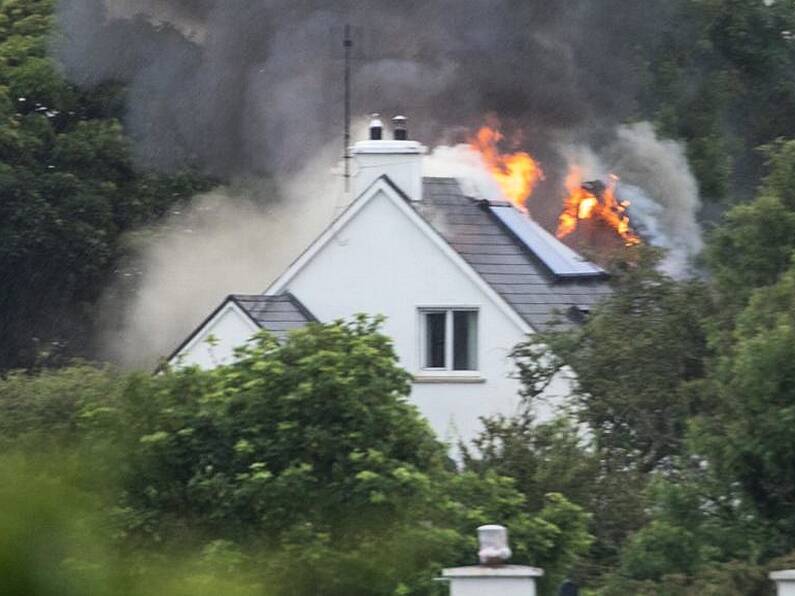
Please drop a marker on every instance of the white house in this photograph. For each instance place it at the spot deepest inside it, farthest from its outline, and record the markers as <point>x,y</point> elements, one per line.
<point>460,280</point>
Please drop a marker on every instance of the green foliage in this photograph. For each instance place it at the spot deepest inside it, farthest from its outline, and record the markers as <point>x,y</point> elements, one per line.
<point>69,190</point>
<point>752,247</point>
<point>780,164</point>
<point>315,433</point>
<point>634,360</point>
<point>48,409</point>
<point>55,543</point>
<point>544,458</point>
<point>723,79</point>
<point>751,437</point>
<point>723,505</point>
<point>299,466</point>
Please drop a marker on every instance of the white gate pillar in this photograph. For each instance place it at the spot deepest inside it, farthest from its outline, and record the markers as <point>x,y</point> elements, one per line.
<point>493,577</point>
<point>785,582</point>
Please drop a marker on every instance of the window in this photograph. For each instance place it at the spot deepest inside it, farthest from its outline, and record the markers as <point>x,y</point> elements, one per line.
<point>449,339</point>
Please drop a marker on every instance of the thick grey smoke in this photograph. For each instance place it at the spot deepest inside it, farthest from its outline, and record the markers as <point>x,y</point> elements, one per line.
<point>254,87</point>
<point>663,192</point>
<point>654,176</point>
<point>656,179</point>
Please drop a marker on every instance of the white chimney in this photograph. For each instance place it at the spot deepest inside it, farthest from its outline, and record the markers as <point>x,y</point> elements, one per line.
<point>785,582</point>
<point>399,159</point>
<point>493,577</point>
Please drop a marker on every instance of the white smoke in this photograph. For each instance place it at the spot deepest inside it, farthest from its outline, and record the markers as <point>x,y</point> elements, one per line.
<point>655,178</point>
<point>465,164</point>
<point>230,240</point>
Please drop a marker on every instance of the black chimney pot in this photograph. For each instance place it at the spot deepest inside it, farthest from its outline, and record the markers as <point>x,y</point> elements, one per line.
<point>376,128</point>
<point>399,125</point>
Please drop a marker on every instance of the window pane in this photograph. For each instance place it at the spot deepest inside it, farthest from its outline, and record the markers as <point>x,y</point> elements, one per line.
<point>435,323</point>
<point>465,325</point>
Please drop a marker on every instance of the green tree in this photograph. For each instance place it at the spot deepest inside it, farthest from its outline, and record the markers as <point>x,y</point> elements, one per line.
<point>780,179</point>
<point>634,360</point>
<point>748,438</point>
<point>722,78</point>
<point>639,361</point>
<point>304,460</point>
<point>751,248</point>
<point>544,458</point>
<point>68,187</point>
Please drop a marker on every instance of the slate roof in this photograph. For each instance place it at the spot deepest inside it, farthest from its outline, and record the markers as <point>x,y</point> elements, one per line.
<point>504,261</point>
<point>278,314</point>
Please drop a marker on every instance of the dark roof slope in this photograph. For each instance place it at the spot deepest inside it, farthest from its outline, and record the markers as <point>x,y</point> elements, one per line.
<point>278,314</point>
<point>504,261</point>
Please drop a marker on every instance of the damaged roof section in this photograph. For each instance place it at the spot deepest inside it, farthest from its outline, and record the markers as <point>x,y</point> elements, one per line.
<point>543,280</point>
<point>278,314</point>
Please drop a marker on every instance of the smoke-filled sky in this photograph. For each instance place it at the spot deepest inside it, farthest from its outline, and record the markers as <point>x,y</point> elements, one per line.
<point>246,89</point>
<point>253,87</point>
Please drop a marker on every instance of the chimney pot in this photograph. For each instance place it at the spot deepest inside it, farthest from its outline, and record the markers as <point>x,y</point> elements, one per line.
<point>399,126</point>
<point>398,159</point>
<point>376,128</point>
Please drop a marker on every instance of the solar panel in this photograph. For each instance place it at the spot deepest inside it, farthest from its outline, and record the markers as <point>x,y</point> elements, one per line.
<point>556,256</point>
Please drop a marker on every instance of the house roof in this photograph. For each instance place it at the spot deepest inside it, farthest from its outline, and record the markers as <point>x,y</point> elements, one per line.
<point>277,314</point>
<point>541,279</point>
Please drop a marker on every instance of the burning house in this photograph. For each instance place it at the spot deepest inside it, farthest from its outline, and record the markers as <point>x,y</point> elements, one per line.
<point>460,279</point>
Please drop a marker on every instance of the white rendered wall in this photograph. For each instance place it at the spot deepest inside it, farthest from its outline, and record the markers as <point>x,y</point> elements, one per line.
<point>493,586</point>
<point>400,160</point>
<point>229,327</point>
<point>383,263</point>
<point>785,582</point>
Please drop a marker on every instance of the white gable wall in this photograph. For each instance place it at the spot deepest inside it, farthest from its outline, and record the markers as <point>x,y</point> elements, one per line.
<point>382,262</point>
<point>230,327</point>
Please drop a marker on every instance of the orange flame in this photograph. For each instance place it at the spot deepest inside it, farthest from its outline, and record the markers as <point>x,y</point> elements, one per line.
<point>516,173</point>
<point>519,173</point>
<point>582,204</point>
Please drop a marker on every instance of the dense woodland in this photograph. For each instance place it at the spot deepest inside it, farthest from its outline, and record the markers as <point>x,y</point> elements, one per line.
<point>301,469</point>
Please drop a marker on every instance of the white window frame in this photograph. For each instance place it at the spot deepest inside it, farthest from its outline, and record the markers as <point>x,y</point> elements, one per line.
<point>447,370</point>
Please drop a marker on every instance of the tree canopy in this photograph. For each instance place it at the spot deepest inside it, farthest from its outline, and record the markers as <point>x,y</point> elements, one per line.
<point>303,461</point>
<point>68,188</point>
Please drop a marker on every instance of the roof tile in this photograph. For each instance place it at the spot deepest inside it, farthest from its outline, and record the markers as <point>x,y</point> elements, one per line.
<point>504,262</point>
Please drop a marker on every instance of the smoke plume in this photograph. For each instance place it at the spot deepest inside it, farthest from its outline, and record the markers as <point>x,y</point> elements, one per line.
<point>252,91</point>
<point>254,87</point>
<point>656,179</point>
<point>663,193</point>
<point>231,240</point>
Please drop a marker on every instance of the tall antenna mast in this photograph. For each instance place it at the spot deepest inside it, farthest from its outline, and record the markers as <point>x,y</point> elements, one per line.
<point>347,44</point>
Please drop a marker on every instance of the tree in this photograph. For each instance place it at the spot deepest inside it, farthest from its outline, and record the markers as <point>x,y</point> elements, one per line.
<point>748,439</point>
<point>56,541</point>
<point>639,361</point>
<point>634,360</point>
<point>780,179</point>
<point>544,458</point>
<point>721,77</point>
<point>69,190</point>
<point>304,459</point>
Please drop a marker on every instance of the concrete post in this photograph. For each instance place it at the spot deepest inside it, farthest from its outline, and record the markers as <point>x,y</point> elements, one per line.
<point>505,580</point>
<point>785,582</point>
<point>493,577</point>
